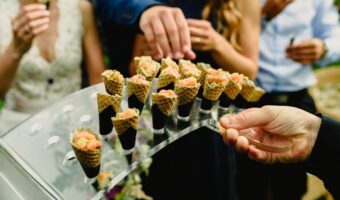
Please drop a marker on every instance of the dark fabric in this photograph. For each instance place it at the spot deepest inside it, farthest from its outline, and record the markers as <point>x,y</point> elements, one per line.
<point>193,167</point>
<point>324,161</point>
<point>274,181</point>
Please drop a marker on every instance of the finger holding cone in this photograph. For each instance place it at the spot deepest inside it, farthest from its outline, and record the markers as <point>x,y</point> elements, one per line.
<point>86,145</point>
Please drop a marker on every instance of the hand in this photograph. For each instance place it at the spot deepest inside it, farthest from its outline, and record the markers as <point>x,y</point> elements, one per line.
<point>272,125</point>
<point>274,7</point>
<point>31,21</point>
<point>167,32</point>
<point>203,35</point>
<point>307,52</point>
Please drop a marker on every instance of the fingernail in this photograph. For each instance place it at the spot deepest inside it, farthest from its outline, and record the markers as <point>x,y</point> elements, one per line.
<point>178,55</point>
<point>186,48</point>
<point>169,55</point>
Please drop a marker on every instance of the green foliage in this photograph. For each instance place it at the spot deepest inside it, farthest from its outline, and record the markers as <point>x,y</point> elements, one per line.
<point>1,104</point>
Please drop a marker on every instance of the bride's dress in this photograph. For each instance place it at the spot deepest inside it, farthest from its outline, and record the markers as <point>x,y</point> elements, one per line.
<point>38,82</point>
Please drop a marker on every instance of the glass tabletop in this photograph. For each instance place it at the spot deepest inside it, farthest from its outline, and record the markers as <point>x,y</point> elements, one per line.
<point>42,141</point>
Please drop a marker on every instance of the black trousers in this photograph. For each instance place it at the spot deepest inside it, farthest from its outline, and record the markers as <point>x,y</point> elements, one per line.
<point>279,181</point>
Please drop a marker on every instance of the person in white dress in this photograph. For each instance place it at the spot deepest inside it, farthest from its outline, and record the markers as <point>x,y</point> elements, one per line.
<point>41,52</point>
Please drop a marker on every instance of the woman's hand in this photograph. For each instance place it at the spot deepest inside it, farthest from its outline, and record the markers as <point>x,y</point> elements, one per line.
<point>273,125</point>
<point>32,20</point>
<point>203,35</point>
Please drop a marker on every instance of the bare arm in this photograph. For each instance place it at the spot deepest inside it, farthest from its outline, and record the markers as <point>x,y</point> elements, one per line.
<point>31,21</point>
<point>92,49</point>
<point>246,60</point>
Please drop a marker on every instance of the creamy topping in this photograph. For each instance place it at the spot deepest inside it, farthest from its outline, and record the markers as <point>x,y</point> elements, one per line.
<point>190,70</point>
<point>148,68</point>
<point>167,93</point>
<point>139,79</point>
<point>113,75</point>
<point>127,114</point>
<point>170,71</point>
<point>188,82</point>
<point>168,62</point>
<point>217,76</point>
<point>238,78</point>
<point>86,141</point>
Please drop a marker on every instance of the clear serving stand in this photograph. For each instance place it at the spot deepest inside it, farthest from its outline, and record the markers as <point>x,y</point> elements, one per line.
<point>39,148</point>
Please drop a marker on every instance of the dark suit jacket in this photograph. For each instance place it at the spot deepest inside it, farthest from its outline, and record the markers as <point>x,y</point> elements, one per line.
<point>324,161</point>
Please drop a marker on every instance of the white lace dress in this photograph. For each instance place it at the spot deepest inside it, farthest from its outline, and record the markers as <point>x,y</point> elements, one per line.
<point>38,82</point>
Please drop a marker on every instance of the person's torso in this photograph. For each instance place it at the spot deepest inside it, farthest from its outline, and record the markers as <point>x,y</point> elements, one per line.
<point>38,81</point>
<point>278,73</point>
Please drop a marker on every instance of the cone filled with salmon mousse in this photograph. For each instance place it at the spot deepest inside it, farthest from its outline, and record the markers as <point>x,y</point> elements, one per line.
<point>87,147</point>
<point>167,79</point>
<point>186,91</point>
<point>126,124</point>
<point>137,89</point>
<point>163,104</point>
<point>214,85</point>
<point>113,81</point>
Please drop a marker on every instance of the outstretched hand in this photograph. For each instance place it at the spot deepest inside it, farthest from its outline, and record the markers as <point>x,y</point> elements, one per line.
<point>32,20</point>
<point>273,125</point>
<point>167,33</point>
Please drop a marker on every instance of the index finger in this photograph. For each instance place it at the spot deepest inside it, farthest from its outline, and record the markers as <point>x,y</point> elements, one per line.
<point>183,30</point>
<point>29,8</point>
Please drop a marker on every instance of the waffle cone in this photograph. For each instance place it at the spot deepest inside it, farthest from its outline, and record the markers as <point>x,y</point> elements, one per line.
<point>166,62</point>
<point>187,94</point>
<point>87,158</point>
<point>139,89</point>
<point>232,89</point>
<point>213,91</point>
<point>105,100</point>
<point>137,59</point>
<point>254,95</point>
<point>165,79</point>
<point>165,104</point>
<point>204,70</point>
<point>113,87</point>
<point>121,124</point>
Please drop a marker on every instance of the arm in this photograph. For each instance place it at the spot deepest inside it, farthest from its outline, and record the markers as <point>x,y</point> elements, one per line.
<point>312,139</point>
<point>205,38</point>
<point>92,50</point>
<point>324,48</point>
<point>324,161</point>
<point>326,27</point>
<point>31,21</point>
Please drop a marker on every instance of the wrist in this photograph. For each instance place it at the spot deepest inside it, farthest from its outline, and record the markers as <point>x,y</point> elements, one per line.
<point>15,52</point>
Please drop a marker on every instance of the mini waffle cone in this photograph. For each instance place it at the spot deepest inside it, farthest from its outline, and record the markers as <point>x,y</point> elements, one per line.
<point>121,125</point>
<point>165,104</point>
<point>187,94</point>
<point>88,158</point>
<point>204,70</point>
<point>149,77</point>
<point>254,95</point>
<point>139,58</point>
<point>113,87</point>
<point>105,100</point>
<point>165,79</point>
<point>247,88</point>
<point>232,89</point>
<point>166,62</point>
<point>139,89</point>
<point>213,92</point>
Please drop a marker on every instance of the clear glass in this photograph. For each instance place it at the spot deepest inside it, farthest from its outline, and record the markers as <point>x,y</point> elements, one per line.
<point>42,141</point>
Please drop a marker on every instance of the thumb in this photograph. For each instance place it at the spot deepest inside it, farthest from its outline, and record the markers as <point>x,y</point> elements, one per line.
<point>248,118</point>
